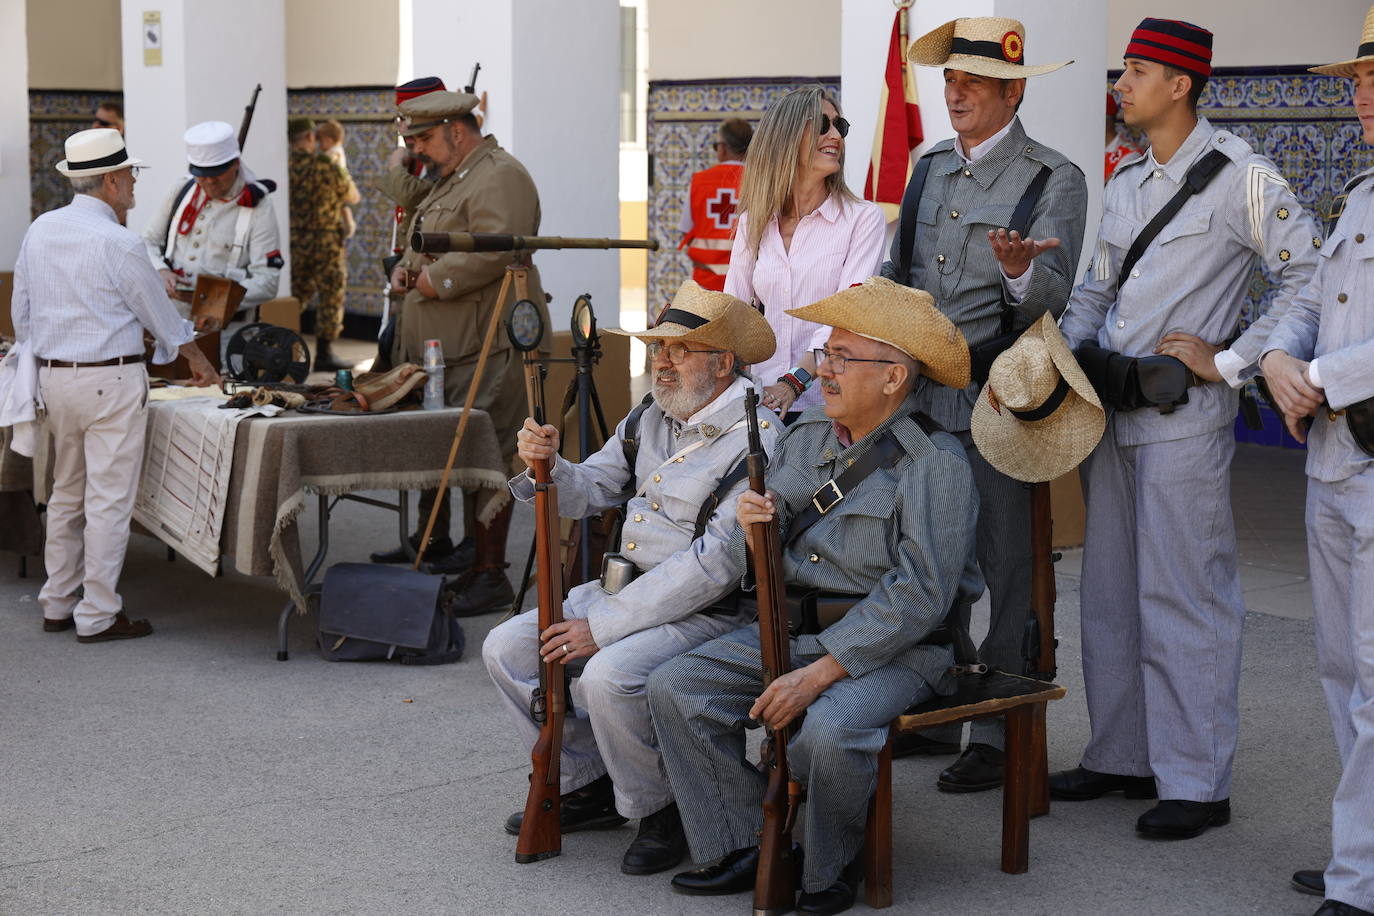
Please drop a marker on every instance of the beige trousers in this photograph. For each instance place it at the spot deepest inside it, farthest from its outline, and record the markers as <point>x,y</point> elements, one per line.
<point>97,418</point>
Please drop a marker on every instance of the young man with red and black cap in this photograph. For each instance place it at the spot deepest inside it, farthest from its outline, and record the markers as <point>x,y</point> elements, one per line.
<point>1161,603</point>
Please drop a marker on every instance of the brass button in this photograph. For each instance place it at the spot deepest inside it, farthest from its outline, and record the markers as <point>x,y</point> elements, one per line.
<point>1284,254</point>
<point>1135,274</point>
<point>939,259</point>
<point>849,462</point>
<point>653,506</point>
<point>1342,297</point>
<point>630,546</point>
<point>638,517</point>
<point>763,424</point>
<point>1159,173</point>
<point>954,214</point>
<point>1121,324</point>
<point>1359,237</point>
<point>1283,213</point>
<point>968,173</point>
<point>679,459</point>
<point>814,559</point>
<point>658,478</point>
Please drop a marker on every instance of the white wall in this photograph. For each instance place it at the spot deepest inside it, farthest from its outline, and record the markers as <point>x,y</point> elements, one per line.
<point>73,44</point>
<point>14,132</point>
<point>342,42</point>
<point>1061,109</point>
<point>707,39</point>
<point>551,71</point>
<point>1252,32</point>
<point>192,86</point>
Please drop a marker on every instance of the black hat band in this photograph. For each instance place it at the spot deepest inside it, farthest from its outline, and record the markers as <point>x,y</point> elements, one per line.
<point>684,318</point>
<point>1050,405</point>
<point>1366,50</point>
<point>992,50</point>
<point>115,158</point>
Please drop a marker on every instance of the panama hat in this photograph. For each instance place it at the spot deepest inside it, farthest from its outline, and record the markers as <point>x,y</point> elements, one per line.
<point>95,152</point>
<point>899,316</point>
<point>1363,54</point>
<point>1047,418</point>
<point>985,45</point>
<point>718,320</point>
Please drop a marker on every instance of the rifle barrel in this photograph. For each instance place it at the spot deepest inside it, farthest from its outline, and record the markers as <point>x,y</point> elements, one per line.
<point>441,242</point>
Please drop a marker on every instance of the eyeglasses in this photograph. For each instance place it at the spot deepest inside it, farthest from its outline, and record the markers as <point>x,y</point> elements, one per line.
<point>838,361</point>
<point>137,169</point>
<point>841,125</point>
<point>103,123</point>
<point>677,352</point>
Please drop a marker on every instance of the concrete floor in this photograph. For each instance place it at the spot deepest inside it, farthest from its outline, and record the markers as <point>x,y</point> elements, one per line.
<point>191,772</point>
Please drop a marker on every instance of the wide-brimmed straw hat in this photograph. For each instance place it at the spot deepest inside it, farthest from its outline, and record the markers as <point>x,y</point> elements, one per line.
<point>985,45</point>
<point>905,318</point>
<point>1363,54</point>
<point>717,320</point>
<point>95,152</point>
<point>1048,417</point>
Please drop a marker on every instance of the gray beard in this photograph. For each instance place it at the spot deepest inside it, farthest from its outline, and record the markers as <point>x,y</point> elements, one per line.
<point>686,399</point>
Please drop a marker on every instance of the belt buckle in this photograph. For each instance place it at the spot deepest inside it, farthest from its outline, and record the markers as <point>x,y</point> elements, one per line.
<point>835,488</point>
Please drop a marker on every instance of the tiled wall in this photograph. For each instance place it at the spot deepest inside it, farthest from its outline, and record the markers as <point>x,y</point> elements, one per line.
<point>683,118</point>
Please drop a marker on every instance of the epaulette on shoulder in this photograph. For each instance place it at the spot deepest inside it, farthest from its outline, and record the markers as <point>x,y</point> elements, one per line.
<point>1357,180</point>
<point>254,192</point>
<point>1231,146</point>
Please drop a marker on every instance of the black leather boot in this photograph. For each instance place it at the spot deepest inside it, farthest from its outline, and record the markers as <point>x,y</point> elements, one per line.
<point>836,898</point>
<point>484,588</point>
<point>326,360</point>
<point>441,549</point>
<point>1082,784</point>
<point>978,769</point>
<point>591,807</point>
<point>661,843</point>
<point>1176,819</point>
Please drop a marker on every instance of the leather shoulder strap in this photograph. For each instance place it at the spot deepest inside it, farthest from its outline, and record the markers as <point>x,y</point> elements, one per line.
<point>1199,176</point>
<point>174,217</point>
<point>886,452</point>
<point>911,202</point>
<point>708,508</point>
<point>1020,223</point>
<point>630,441</point>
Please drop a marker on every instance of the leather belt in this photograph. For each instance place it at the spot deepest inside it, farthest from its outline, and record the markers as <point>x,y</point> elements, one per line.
<point>117,361</point>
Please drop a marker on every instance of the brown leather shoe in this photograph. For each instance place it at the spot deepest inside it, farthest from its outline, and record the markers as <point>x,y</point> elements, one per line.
<point>57,626</point>
<point>122,628</point>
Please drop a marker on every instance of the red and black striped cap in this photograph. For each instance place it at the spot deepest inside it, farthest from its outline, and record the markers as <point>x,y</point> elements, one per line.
<point>416,88</point>
<point>1174,43</point>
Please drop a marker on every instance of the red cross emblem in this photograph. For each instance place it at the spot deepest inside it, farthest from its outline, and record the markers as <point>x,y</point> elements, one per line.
<point>721,208</point>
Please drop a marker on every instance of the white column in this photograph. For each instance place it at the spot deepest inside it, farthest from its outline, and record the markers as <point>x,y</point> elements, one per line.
<point>211,60</point>
<point>14,131</point>
<point>551,71</point>
<point>1064,109</point>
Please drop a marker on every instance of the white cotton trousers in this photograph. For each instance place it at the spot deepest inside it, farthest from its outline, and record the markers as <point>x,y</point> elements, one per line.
<point>97,418</point>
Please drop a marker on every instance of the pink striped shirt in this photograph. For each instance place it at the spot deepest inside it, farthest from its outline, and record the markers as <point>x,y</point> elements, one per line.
<point>838,244</point>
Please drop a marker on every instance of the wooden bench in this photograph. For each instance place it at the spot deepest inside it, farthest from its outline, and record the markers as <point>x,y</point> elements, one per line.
<point>1021,702</point>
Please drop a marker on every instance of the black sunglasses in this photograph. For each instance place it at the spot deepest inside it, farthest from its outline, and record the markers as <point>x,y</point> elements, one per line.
<point>103,123</point>
<point>841,125</point>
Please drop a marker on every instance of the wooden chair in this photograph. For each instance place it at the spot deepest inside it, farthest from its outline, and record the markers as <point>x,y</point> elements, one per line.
<point>1021,702</point>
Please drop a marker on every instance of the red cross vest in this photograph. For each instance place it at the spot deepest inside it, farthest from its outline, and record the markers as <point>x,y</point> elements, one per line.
<point>714,200</point>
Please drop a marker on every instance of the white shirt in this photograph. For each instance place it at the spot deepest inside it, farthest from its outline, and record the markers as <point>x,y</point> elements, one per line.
<point>84,290</point>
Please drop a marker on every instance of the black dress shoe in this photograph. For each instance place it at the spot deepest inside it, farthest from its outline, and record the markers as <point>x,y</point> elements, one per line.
<point>733,874</point>
<point>914,744</point>
<point>479,591</point>
<point>1080,784</point>
<point>455,562</point>
<point>977,770</point>
<point>1310,881</point>
<point>440,547</point>
<point>1174,819</point>
<point>57,626</point>
<point>661,844</point>
<point>591,807</point>
<point>326,360</point>
<point>1336,908</point>
<point>836,898</point>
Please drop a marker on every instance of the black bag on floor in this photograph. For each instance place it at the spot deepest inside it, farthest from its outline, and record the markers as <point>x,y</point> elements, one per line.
<point>370,612</point>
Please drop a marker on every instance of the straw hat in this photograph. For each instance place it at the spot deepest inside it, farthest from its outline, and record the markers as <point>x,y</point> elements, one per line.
<point>903,317</point>
<point>95,152</point>
<point>717,320</point>
<point>1363,54</point>
<point>1049,417</point>
<point>986,45</point>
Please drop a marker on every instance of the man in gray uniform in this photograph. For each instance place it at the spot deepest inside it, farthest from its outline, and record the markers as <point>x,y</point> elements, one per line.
<point>1161,600</point>
<point>1321,350</point>
<point>900,540</point>
<point>988,281</point>
<point>690,437</point>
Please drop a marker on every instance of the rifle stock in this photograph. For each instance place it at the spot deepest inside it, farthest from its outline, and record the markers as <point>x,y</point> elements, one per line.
<point>1041,642</point>
<point>775,883</point>
<point>541,835</point>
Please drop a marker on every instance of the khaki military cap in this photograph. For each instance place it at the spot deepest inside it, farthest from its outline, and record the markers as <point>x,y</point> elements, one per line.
<point>435,108</point>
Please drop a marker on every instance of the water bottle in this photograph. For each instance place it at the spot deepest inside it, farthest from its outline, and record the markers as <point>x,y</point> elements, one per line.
<point>434,375</point>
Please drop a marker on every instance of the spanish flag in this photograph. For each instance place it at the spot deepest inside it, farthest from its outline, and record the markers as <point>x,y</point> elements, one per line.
<point>899,127</point>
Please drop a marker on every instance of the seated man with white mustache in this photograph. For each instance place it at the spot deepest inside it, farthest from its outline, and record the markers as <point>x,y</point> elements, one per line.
<point>690,439</point>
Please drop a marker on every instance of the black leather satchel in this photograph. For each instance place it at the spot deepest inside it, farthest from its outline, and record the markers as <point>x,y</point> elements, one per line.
<point>1360,418</point>
<point>1129,383</point>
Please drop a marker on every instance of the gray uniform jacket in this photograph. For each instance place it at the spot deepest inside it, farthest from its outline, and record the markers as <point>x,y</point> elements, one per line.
<point>904,537</point>
<point>1194,275</point>
<point>679,576</point>
<point>953,261</point>
<point>1333,319</point>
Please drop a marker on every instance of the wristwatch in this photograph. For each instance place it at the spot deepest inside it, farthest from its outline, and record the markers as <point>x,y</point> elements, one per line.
<point>798,379</point>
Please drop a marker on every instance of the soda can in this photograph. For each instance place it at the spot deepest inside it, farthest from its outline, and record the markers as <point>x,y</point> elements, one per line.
<point>343,378</point>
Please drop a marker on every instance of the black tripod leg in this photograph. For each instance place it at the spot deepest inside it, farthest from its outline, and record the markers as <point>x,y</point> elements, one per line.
<point>519,603</point>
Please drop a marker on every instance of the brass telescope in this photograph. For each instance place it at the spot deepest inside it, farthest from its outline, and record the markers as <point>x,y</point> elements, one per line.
<point>441,242</point>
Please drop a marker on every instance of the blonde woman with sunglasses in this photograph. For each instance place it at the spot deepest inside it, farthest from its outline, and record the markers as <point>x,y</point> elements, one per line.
<point>802,235</point>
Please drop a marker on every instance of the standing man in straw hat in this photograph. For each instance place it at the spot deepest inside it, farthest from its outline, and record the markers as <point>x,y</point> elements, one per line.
<point>900,541</point>
<point>1161,601</point>
<point>954,241</point>
<point>480,188</point>
<point>83,296</point>
<point>219,221</point>
<point>691,437</point>
<point>1321,350</point>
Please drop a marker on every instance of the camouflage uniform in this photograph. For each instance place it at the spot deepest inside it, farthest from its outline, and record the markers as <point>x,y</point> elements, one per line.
<point>319,263</point>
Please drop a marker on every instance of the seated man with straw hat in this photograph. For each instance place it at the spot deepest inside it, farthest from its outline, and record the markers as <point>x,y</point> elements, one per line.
<point>679,462</point>
<point>900,540</point>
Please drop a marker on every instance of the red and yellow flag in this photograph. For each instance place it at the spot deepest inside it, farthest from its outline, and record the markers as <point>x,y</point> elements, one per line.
<point>899,127</point>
